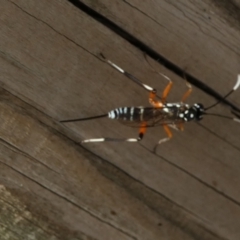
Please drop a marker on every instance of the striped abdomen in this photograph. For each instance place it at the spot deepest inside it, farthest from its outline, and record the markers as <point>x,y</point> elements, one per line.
<point>128,113</point>
<point>149,116</point>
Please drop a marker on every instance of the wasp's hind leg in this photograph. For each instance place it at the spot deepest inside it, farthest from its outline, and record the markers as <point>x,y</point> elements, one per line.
<point>152,91</point>
<point>142,131</point>
<point>168,87</point>
<point>128,75</point>
<point>169,134</point>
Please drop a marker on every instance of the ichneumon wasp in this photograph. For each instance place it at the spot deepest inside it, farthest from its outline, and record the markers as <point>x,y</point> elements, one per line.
<point>172,115</point>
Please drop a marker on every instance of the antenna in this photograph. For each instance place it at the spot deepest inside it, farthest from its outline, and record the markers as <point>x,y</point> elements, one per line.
<point>84,119</point>
<point>223,116</point>
<point>227,95</point>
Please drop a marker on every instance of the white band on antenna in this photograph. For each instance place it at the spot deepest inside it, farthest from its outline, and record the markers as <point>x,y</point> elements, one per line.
<point>237,83</point>
<point>236,120</point>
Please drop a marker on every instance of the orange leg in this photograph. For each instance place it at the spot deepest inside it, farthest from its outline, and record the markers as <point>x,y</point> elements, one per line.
<point>142,131</point>
<point>167,130</point>
<point>188,92</point>
<point>166,91</point>
<point>153,102</point>
<point>169,134</point>
<point>180,126</point>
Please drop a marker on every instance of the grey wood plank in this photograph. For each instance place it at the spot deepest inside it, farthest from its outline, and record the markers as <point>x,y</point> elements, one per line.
<point>50,59</point>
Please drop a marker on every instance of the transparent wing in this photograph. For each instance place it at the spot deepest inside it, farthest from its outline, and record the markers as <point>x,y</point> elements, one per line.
<point>152,117</point>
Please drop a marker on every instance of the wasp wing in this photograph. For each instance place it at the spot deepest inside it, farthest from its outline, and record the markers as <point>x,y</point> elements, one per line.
<point>152,117</point>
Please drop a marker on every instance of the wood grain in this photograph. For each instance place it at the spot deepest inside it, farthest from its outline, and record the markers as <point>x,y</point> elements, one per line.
<point>51,70</point>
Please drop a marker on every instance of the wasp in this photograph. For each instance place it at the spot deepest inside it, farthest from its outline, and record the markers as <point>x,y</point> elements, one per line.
<point>160,113</point>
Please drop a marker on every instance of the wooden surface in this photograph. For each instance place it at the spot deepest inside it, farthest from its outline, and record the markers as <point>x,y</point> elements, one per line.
<point>51,187</point>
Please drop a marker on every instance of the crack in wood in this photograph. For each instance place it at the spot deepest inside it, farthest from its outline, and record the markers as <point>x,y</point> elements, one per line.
<point>69,39</point>
<point>151,52</point>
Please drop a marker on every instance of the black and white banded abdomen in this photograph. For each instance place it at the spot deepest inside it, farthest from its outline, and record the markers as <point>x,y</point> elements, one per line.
<point>128,113</point>
<point>149,116</point>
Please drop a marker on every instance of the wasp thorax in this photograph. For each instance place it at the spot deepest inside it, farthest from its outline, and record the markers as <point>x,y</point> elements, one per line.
<point>195,112</point>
